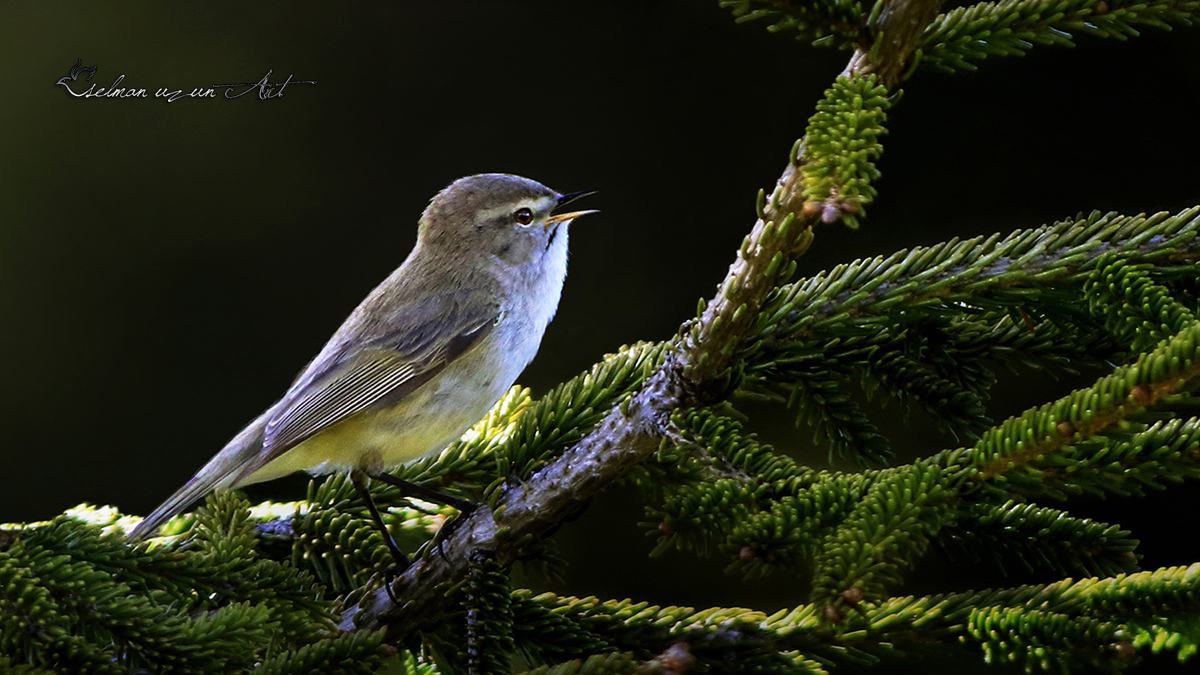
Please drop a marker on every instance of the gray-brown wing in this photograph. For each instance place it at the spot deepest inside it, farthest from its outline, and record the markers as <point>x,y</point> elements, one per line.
<point>438,331</point>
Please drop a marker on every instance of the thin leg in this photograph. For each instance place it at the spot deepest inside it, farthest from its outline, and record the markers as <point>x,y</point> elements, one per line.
<point>359,478</point>
<point>425,493</point>
<point>464,507</point>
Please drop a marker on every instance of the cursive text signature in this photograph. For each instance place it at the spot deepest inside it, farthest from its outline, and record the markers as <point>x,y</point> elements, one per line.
<point>265,87</point>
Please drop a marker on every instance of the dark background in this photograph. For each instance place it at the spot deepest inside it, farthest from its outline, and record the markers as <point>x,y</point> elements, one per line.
<point>167,268</point>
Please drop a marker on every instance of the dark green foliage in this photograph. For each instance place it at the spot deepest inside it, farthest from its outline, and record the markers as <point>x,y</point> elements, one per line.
<point>1065,624</point>
<point>79,600</point>
<point>880,538</point>
<point>1012,27</point>
<point>561,417</point>
<point>822,21</point>
<point>1050,626</point>
<point>979,278</point>
<point>335,539</point>
<point>1135,308</point>
<point>545,635</point>
<point>735,480</point>
<point>861,532</point>
<point>722,640</point>
<point>1111,463</point>
<point>488,619</point>
<point>1036,538</point>
<point>927,327</point>
<point>225,537</point>
<point>9,668</point>
<point>1101,412</point>
<point>824,405</point>
<point>600,664</point>
<point>343,654</point>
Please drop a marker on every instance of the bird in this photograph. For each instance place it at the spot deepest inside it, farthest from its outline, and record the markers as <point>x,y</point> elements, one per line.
<point>424,356</point>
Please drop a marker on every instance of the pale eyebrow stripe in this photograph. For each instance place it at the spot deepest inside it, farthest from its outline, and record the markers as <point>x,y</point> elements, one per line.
<point>538,205</point>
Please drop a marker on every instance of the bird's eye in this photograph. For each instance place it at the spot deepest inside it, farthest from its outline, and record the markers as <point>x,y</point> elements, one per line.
<point>523,216</point>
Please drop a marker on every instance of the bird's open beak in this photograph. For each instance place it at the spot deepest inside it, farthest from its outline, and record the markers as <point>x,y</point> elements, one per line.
<point>567,199</point>
<point>561,217</point>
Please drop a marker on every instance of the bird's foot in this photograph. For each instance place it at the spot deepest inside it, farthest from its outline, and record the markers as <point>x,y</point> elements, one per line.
<point>465,509</point>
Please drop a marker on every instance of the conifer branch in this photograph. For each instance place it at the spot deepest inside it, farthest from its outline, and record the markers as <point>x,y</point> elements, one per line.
<point>1087,413</point>
<point>1038,538</point>
<point>863,530</point>
<point>700,369</point>
<point>810,20</point>
<point>896,28</point>
<point>1093,621</point>
<point>956,39</point>
<point>923,325</point>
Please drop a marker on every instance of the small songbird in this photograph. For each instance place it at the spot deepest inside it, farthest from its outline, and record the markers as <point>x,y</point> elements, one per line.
<point>423,358</point>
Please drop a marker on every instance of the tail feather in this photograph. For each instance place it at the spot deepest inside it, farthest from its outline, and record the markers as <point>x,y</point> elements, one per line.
<point>199,486</point>
<point>221,472</point>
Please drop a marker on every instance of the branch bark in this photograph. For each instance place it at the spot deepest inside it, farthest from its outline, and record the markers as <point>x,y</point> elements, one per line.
<point>699,370</point>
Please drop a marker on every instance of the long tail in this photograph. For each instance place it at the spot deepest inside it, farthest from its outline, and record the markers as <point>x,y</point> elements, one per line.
<point>220,472</point>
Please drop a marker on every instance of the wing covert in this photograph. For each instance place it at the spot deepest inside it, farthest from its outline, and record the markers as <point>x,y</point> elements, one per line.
<point>390,366</point>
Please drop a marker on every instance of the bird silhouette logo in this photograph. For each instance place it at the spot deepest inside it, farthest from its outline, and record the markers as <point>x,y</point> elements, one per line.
<point>74,76</point>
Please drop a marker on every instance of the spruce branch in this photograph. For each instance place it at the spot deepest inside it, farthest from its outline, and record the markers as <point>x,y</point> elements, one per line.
<point>812,20</point>
<point>1087,413</point>
<point>544,634</point>
<point>895,29</point>
<point>862,539</point>
<point>867,553</point>
<point>489,620</point>
<point>928,326</point>
<point>81,599</point>
<point>1037,538</point>
<point>1027,268</point>
<point>863,534</point>
<point>1138,310</point>
<point>701,368</point>
<point>619,663</point>
<point>1057,626</point>
<point>823,404</point>
<point>957,39</point>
